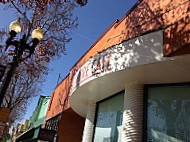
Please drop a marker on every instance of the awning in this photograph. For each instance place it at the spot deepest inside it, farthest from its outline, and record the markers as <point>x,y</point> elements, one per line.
<point>26,135</point>
<point>35,134</point>
<point>31,140</point>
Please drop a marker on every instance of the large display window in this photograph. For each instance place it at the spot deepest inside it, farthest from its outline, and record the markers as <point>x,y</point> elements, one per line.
<point>109,115</point>
<point>168,113</point>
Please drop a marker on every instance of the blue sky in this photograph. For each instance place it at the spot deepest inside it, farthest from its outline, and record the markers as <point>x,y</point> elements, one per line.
<point>93,20</point>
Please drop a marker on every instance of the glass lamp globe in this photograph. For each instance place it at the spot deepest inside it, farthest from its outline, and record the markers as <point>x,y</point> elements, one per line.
<point>37,33</point>
<point>15,26</point>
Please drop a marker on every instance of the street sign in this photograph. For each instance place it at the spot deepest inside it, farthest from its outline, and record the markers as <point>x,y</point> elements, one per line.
<point>2,71</point>
<point>4,113</point>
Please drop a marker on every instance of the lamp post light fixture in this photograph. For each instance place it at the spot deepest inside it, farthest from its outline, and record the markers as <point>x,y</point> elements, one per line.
<point>20,46</point>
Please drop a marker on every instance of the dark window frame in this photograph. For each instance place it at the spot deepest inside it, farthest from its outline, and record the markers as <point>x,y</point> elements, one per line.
<point>145,102</point>
<point>97,104</point>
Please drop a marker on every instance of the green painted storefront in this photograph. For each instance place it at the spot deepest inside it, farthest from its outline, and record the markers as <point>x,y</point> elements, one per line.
<point>36,121</point>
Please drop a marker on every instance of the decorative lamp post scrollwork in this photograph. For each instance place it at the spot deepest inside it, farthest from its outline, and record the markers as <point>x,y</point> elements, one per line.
<point>20,46</point>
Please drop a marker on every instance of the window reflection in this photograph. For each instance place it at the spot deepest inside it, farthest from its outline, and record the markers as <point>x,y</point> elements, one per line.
<point>168,114</point>
<point>109,120</point>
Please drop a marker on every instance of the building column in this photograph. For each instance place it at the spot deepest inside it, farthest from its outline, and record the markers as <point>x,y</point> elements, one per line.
<point>133,113</point>
<point>89,123</point>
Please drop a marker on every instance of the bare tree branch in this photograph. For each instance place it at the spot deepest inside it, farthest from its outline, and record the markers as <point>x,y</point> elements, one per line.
<point>56,20</point>
<point>23,14</point>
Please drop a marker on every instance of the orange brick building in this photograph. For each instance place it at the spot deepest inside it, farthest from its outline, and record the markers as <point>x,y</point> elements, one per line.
<point>115,91</point>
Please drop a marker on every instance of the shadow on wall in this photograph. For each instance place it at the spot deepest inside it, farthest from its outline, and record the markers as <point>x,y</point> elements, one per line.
<point>141,50</point>
<point>177,38</point>
<point>150,16</point>
<point>145,17</point>
<point>60,100</point>
<point>138,51</point>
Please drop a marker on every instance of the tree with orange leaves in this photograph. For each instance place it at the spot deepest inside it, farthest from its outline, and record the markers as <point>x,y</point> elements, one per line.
<point>56,21</point>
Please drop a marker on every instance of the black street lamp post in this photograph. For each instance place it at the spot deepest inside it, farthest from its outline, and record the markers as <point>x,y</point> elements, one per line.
<point>21,46</point>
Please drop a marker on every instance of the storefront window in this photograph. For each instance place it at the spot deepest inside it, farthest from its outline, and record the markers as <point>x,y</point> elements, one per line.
<point>109,120</point>
<point>168,116</point>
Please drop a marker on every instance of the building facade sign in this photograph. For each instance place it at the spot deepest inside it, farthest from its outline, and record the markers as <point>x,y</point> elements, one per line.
<point>125,55</point>
<point>99,65</point>
<point>46,135</point>
<point>52,124</point>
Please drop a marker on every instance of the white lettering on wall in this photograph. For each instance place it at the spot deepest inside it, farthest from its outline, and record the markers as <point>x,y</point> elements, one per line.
<point>141,50</point>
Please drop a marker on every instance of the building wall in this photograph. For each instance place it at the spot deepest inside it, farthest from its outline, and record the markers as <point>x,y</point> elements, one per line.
<point>39,113</point>
<point>176,37</point>
<point>70,127</point>
<point>19,129</point>
<point>25,124</point>
<point>146,16</point>
<point>43,109</point>
<point>70,124</point>
<point>59,98</point>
